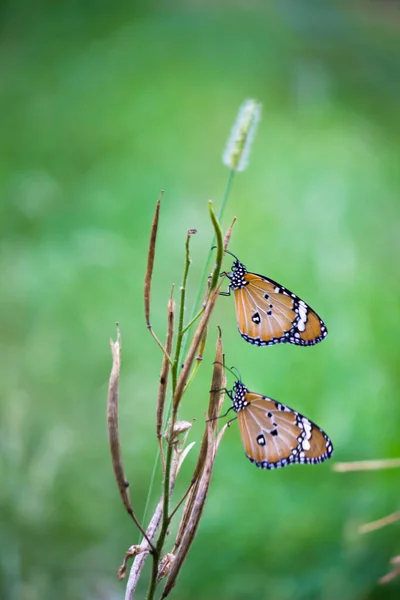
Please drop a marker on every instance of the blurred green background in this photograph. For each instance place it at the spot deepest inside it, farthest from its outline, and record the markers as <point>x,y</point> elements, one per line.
<point>102,105</point>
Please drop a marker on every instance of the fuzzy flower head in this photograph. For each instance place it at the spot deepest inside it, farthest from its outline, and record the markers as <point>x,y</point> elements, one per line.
<point>238,147</point>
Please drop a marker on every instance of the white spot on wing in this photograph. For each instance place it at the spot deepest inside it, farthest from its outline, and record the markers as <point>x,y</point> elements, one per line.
<point>301,326</point>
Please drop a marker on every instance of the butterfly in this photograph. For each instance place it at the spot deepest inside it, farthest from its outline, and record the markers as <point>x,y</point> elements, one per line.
<point>275,435</point>
<point>268,313</point>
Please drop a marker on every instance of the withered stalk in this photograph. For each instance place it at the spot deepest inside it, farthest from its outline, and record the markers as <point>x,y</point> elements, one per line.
<point>113,434</point>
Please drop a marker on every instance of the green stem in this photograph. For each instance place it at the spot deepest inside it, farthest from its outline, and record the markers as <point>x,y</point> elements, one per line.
<point>153,579</point>
<point>188,326</point>
<point>206,265</point>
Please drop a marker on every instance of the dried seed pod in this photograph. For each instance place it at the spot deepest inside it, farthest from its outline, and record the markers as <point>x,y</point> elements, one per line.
<point>165,566</point>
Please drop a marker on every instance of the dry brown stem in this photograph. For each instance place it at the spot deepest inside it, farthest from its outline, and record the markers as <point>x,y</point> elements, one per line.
<point>388,520</point>
<point>367,465</point>
<point>392,574</point>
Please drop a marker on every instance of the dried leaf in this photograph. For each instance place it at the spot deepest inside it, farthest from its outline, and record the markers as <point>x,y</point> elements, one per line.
<point>112,422</point>
<point>130,553</point>
<point>179,428</point>
<point>165,566</point>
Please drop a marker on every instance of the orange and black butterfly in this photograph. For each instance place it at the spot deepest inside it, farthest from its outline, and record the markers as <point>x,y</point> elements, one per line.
<point>269,313</point>
<point>273,434</point>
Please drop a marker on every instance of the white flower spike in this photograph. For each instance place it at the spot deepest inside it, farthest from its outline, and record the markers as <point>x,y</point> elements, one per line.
<point>237,151</point>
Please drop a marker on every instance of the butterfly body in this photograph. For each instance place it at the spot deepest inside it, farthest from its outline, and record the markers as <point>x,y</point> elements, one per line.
<point>274,435</point>
<point>268,313</point>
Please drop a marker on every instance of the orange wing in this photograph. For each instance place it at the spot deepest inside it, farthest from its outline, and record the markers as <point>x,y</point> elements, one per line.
<point>268,314</point>
<point>274,435</point>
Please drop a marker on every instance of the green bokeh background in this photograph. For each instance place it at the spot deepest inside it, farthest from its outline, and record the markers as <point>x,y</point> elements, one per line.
<point>103,104</point>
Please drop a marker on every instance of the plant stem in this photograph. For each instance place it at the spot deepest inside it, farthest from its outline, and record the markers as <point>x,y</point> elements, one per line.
<point>153,580</point>
<point>168,458</point>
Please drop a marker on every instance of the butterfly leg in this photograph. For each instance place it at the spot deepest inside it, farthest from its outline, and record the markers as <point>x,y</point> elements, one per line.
<point>222,416</point>
<point>228,293</point>
<point>228,392</point>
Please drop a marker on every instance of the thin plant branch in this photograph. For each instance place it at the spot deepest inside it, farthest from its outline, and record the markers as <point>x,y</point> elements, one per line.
<point>367,465</point>
<point>193,321</point>
<point>181,501</point>
<point>374,525</point>
<point>392,574</point>
<point>113,434</point>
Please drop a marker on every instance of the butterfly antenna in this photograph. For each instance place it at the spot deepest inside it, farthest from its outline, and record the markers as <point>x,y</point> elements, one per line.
<point>231,253</point>
<point>228,252</point>
<point>238,376</point>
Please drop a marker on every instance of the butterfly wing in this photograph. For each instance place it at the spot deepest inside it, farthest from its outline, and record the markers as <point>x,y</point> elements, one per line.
<point>268,314</point>
<point>274,435</point>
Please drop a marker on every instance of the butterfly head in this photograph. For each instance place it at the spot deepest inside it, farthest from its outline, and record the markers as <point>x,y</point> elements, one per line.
<point>237,275</point>
<point>239,396</point>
